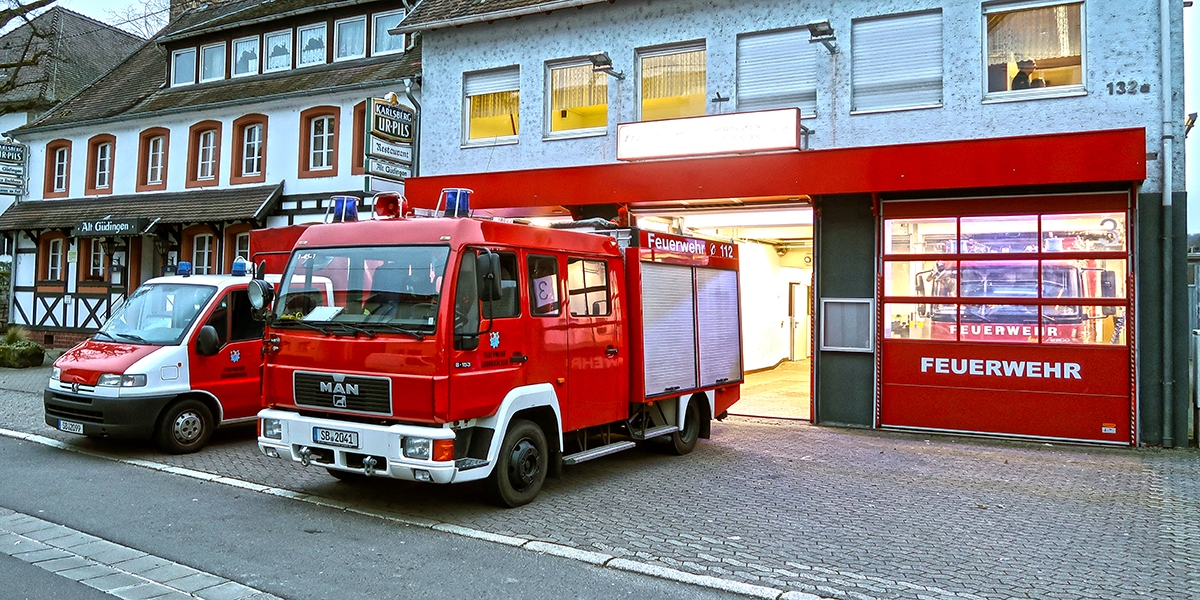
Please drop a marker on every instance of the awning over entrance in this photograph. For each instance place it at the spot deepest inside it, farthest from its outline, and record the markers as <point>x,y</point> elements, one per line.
<point>196,206</point>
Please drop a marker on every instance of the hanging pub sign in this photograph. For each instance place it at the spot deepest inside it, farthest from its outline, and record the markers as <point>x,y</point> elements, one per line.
<point>108,227</point>
<point>392,121</point>
<point>11,153</point>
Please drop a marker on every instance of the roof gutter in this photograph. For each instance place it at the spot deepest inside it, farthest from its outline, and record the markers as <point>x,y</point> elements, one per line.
<point>199,27</point>
<point>493,16</point>
<point>222,104</point>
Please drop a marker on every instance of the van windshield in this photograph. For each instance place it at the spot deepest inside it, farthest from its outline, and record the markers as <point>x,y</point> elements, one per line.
<point>381,286</point>
<point>158,313</point>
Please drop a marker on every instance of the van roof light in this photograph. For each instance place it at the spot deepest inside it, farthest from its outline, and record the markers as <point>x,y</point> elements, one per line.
<point>456,202</point>
<point>239,268</point>
<point>183,269</point>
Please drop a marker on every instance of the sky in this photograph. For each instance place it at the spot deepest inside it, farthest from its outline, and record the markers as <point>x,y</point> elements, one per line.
<point>99,10</point>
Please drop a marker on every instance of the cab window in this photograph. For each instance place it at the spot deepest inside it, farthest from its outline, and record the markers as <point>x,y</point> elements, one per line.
<point>509,304</point>
<point>543,286</point>
<point>232,319</point>
<point>587,287</point>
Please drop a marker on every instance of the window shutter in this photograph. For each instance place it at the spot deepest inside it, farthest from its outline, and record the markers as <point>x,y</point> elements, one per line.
<point>777,70</point>
<point>897,61</point>
<point>490,82</point>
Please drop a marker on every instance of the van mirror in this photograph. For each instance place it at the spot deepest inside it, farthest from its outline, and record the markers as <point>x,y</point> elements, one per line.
<point>207,341</point>
<point>488,268</point>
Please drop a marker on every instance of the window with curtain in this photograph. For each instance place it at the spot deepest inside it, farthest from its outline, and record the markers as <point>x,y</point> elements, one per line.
<point>384,42</point>
<point>212,62</point>
<point>673,82</point>
<point>350,38</point>
<point>777,69</point>
<point>1031,47</point>
<point>312,45</point>
<point>278,48</point>
<point>577,98</point>
<point>245,56</point>
<point>896,61</point>
<point>492,103</point>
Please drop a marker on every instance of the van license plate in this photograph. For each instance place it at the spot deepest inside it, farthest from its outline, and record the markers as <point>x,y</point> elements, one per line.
<point>70,427</point>
<point>335,437</point>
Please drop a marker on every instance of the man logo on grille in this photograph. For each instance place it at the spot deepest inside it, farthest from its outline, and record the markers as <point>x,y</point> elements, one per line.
<point>339,401</point>
<point>75,387</point>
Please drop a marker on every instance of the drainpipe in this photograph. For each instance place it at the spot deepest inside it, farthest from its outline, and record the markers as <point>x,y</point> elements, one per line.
<point>416,162</point>
<point>1168,130</point>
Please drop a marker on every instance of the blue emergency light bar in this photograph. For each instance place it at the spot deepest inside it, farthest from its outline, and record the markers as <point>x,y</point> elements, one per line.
<point>345,208</point>
<point>239,267</point>
<point>457,202</point>
<point>183,269</point>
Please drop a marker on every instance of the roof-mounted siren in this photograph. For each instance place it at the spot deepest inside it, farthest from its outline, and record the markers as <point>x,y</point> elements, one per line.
<point>342,209</point>
<point>456,202</point>
<point>240,267</point>
<point>389,205</point>
<point>183,269</point>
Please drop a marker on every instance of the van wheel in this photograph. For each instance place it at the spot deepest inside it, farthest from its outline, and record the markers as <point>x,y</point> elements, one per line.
<point>684,441</point>
<point>184,427</point>
<point>521,466</point>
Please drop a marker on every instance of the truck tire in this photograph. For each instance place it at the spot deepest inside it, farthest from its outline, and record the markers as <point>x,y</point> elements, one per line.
<point>684,441</point>
<point>521,465</point>
<point>184,427</point>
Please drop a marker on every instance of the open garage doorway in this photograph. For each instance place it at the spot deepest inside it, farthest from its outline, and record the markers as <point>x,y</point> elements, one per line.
<point>775,249</point>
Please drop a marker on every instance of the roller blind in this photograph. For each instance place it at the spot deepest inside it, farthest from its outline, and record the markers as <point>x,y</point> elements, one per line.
<point>777,69</point>
<point>669,328</point>
<point>897,61</point>
<point>490,82</point>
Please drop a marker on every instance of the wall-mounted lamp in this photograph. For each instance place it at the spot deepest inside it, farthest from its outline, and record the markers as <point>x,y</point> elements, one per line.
<point>1188,124</point>
<point>822,31</point>
<point>602,63</point>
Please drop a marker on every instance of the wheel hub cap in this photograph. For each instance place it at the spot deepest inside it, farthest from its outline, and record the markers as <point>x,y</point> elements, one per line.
<point>188,426</point>
<point>523,464</point>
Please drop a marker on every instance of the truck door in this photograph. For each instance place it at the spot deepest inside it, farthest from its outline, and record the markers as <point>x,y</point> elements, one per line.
<point>597,390</point>
<point>547,326</point>
<point>481,377</point>
<point>232,374</point>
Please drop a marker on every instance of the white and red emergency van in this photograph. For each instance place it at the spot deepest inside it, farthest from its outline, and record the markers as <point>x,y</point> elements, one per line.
<point>178,358</point>
<point>461,349</point>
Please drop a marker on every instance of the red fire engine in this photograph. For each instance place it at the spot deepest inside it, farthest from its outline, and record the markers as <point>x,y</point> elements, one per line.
<point>460,349</point>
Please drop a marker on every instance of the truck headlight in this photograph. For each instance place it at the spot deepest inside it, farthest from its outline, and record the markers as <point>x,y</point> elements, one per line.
<point>55,374</point>
<point>117,380</point>
<point>272,429</point>
<point>419,448</point>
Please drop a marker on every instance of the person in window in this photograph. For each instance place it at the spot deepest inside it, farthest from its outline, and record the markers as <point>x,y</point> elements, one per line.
<point>1020,81</point>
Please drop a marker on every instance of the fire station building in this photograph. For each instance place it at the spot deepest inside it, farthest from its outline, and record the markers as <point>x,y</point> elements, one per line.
<point>990,192</point>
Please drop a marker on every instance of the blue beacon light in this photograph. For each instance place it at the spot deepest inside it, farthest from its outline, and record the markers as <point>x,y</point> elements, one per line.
<point>183,269</point>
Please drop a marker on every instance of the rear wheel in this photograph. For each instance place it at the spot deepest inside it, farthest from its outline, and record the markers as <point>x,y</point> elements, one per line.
<point>184,427</point>
<point>684,440</point>
<point>521,466</point>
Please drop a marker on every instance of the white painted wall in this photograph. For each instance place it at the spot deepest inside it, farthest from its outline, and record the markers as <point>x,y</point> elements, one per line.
<point>1122,44</point>
<point>766,330</point>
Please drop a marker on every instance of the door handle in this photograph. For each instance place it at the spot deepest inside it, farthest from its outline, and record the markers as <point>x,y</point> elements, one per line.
<point>518,358</point>
<point>611,351</point>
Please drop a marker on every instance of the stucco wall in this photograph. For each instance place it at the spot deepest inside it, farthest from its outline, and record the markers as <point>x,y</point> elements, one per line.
<point>1121,40</point>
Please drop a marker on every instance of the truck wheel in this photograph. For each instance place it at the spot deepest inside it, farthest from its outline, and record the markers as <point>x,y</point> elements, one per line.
<point>684,441</point>
<point>184,427</point>
<point>521,466</point>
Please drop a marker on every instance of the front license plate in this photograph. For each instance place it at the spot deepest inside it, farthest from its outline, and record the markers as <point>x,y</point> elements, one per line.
<point>70,427</point>
<point>335,437</point>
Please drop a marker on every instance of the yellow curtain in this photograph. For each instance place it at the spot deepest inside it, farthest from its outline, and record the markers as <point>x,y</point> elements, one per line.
<point>572,87</point>
<point>673,75</point>
<point>1037,33</point>
<point>495,104</point>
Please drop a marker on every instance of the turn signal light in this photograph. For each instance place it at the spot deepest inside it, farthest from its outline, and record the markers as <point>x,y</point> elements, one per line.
<point>443,450</point>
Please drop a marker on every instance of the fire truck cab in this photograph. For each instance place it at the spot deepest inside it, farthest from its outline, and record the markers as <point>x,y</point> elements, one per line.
<point>459,349</point>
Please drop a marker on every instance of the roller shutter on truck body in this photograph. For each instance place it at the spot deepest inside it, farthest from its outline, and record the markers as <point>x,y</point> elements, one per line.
<point>720,326</point>
<point>669,328</point>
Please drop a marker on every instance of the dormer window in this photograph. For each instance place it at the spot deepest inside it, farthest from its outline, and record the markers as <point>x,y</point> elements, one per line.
<point>183,67</point>
<point>245,56</point>
<point>212,62</point>
<point>312,45</point>
<point>350,38</point>
<point>384,42</point>
<point>278,48</point>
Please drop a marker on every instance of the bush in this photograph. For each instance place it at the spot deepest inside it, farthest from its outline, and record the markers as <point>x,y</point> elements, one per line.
<point>17,352</point>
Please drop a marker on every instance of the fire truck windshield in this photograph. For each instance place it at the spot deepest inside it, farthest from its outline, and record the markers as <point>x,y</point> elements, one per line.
<point>1006,280</point>
<point>158,313</point>
<point>384,286</point>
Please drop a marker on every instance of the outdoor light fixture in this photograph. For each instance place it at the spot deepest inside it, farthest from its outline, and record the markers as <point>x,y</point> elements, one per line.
<point>602,63</point>
<point>822,31</point>
<point>1188,124</point>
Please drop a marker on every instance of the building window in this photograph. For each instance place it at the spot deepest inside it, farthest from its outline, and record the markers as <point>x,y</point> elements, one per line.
<point>212,62</point>
<point>1032,49</point>
<point>312,45</point>
<point>183,67</point>
<point>206,163</point>
<point>673,82</point>
<point>241,245</point>
<point>350,38</point>
<point>245,56</point>
<point>96,260</point>
<point>319,142</point>
<point>577,101</point>
<point>278,48</point>
<point>100,164</point>
<point>777,69</point>
<point>152,159</point>
<point>887,75</point>
<point>249,145</point>
<point>57,181</point>
<point>252,150</point>
<point>54,260</point>
<point>204,154</point>
<point>202,254</point>
<point>384,42</point>
<point>491,104</point>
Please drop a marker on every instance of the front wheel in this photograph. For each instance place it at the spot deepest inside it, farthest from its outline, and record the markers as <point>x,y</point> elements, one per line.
<point>521,466</point>
<point>184,427</point>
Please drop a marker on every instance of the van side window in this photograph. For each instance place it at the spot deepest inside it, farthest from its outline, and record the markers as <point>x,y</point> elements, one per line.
<point>509,304</point>
<point>244,326</point>
<point>587,287</point>
<point>543,286</point>
<point>219,319</point>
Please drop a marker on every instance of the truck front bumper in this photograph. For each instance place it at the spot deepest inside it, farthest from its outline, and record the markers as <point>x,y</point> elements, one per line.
<point>383,443</point>
<point>105,416</point>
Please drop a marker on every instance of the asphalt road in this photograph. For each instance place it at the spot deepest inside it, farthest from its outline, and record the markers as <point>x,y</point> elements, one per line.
<point>290,549</point>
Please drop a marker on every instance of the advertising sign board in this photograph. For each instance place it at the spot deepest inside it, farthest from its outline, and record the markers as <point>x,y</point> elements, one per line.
<point>381,148</point>
<point>390,170</point>
<point>108,227</point>
<point>735,133</point>
<point>392,121</point>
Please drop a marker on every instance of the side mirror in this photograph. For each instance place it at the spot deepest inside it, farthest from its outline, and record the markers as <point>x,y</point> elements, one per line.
<point>488,269</point>
<point>207,341</point>
<point>261,294</point>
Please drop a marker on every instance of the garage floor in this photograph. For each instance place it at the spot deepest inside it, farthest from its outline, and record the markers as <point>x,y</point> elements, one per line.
<point>782,392</point>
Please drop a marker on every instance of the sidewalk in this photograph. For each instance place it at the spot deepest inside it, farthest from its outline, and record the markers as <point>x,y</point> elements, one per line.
<point>839,513</point>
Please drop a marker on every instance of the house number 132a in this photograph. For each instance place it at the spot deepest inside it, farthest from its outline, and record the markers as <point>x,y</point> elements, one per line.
<point>1127,87</point>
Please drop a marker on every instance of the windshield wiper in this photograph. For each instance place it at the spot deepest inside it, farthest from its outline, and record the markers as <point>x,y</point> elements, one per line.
<point>132,336</point>
<point>420,335</point>
<point>323,330</point>
<point>357,330</point>
<point>107,335</point>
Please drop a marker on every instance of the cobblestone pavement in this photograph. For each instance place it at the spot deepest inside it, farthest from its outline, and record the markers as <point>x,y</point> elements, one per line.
<point>839,513</point>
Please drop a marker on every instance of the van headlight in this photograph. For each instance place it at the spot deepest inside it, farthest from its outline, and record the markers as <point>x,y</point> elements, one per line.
<point>117,380</point>
<point>418,448</point>
<point>55,374</point>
